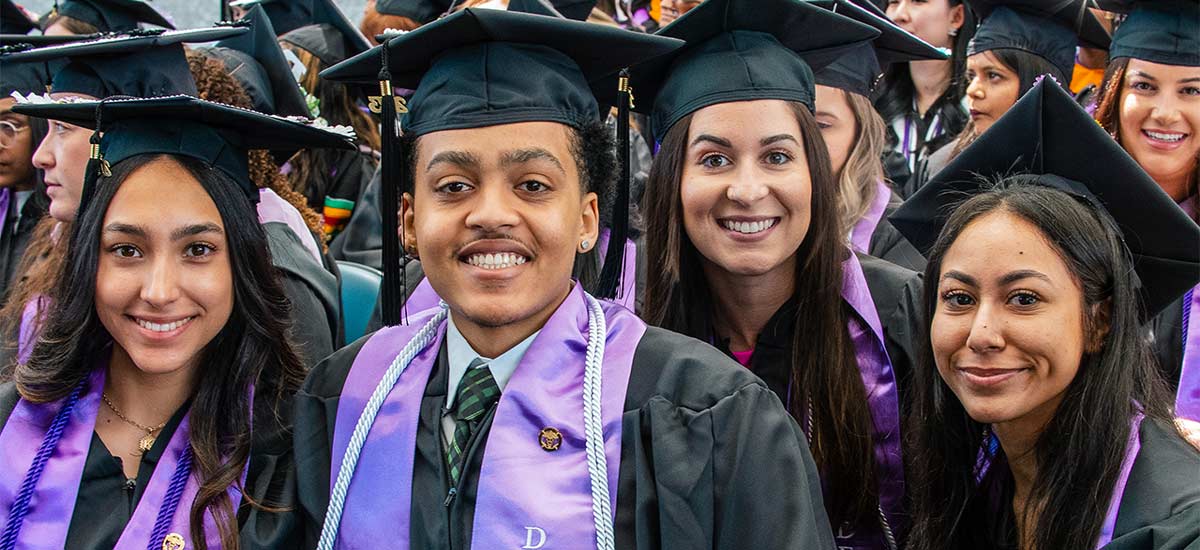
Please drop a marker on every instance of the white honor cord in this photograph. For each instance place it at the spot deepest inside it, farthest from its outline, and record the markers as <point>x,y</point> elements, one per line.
<point>337,497</point>
<point>593,426</point>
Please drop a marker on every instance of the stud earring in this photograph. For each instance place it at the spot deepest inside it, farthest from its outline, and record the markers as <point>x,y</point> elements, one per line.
<point>953,33</point>
<point>585,245</point>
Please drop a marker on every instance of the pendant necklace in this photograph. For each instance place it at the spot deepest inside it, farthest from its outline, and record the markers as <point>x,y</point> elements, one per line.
<point>146,442</point>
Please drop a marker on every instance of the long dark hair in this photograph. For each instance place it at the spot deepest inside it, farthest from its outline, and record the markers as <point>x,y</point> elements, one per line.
<point>1079,453</point>
<point>1028,67</point>
<point>252,349</point>
<point>824,371</point>
<point>896,92</point>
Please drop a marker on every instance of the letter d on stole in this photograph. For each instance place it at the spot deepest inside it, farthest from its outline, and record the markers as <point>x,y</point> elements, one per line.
<point>530,534</point>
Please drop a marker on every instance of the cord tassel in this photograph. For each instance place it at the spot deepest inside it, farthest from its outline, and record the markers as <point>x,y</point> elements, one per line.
<point>393,272</point>
<point>614,256</point>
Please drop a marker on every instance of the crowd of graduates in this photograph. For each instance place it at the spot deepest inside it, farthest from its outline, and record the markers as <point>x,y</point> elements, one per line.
<point>613,274</point>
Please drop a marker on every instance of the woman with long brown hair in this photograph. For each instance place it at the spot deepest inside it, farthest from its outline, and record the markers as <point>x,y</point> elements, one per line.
<point>1042,423</point>
<point>749,251</point>
<point>154,410</point>
<point>1150,103</point>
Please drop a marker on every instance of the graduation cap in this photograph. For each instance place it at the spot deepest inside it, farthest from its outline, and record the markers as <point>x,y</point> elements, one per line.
<point>1050,29</point>
<point>14,20</point>
<point>743,50</point>
<point>24,77</point>
<point>112,15</point>
<point>331,36</point>
<point>139,64</point>
<point>1047,134</point>
<point>219,135</point>
<point>257,62</point>
<point>421,11</point>
<point>578,10</point>
<point>480,67</point>
<point>1159,31</point>
<point>22,42</point>
<point>858,69</point>
<point>286,15</point>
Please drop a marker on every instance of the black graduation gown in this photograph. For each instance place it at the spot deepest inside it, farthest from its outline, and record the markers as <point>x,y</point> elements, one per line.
<point>1166,333</point>
<point>888,244</point>
<point>361,241</point>
<point>312,289</point>
<point>106,501</point>
<point>1160,508</point>
<point>689,413</point>
<point>896,293</point>
<point>349,174</point>
<point>14,236</point>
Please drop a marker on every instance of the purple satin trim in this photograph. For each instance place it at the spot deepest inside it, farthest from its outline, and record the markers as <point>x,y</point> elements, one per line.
<point>425,297</point>
<point>380,493</point>
<point>879,381</point>
<point>547,391</point>
<point>27,335</point>
<point>272,208</point>
<point>1187,398</point>
<point>5,198</point>
<point>860,236</point>
<point>1114,506</point>
<point>53,501</point>
<point>641,17</point>
<point>541,393</point>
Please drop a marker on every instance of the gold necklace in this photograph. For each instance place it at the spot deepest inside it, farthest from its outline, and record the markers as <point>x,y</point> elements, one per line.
<point>145,443</point>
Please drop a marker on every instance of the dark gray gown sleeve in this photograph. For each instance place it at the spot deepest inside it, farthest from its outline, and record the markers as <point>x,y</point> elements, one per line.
<point>711,459</point>
<point>896,292</point>
<point>362,240</point>
<point>314,413</point>
<point>1160,508</point>
<point>1166,333</point>
<point>312,291</point>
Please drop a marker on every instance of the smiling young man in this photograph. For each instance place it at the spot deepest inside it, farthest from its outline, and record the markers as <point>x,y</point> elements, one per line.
<point>563,421</point>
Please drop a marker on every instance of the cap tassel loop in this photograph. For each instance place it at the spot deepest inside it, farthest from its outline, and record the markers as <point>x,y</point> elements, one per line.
<point>96,165</point>
<point>394,285</point>
<point>614,257</point>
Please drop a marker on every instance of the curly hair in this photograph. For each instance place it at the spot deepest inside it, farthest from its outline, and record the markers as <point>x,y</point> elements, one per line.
<point>216,84</point>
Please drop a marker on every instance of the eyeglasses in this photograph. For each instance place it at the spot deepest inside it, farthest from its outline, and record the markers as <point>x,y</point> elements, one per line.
<point>8,133</point>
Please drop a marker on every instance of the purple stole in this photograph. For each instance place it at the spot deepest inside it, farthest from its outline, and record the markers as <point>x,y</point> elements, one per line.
<point>1187,398</point>
<point>879,380</point>
<point>1132,447</point>
<point>546,391</point>
<point>424,297</point>
<point>272,208</point>
<point>53,501</point>
<point>30,325</point>
<point>860,236</point>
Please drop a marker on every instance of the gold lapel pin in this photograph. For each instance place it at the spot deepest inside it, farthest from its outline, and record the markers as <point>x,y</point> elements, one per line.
<point>174,541</point>
<point>550,439</point>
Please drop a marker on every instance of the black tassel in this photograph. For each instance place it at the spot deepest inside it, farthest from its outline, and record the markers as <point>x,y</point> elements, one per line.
<point>96,165</point>
<point>614,257</point>
<point>390,168</point>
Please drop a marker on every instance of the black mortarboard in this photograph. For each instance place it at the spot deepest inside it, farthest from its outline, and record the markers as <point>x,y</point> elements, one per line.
<point>1050,29</point>
<point>858,69</point>
<point>331,36</point>
<point>257,62</point>
<point>24,77</point>
<point>421,11</point>
<point>1159,31</point>
<point>286,15</point>
<point>482,67</point>
<point>22,42</point>
<point>217,134</point>
<point>1047,134</point>
<point>578,10</point>
<point>14,20</point>
<point>139,64</point>
<point>112,15</point>
<point>743,50</point>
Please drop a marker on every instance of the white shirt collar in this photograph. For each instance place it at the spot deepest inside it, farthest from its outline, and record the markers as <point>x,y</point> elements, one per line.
<point>459,355</point>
